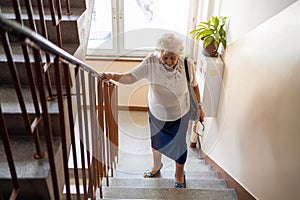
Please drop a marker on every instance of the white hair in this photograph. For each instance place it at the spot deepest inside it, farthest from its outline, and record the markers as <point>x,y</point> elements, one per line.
<point>168,42</point>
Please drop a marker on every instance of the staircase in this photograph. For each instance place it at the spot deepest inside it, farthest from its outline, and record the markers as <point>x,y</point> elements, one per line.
<point>135,158</point>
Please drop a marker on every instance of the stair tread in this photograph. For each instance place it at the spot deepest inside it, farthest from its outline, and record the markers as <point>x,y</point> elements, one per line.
<point>27,166</point>
<point>169,193</point>
<point>192,183</point>
<point>128,167</point>
<point>74,4</point>
<point>139,162</point>
<point>10,104</point>
<point>8,12</point>
<point>18,53</point>
<point>168,174</point>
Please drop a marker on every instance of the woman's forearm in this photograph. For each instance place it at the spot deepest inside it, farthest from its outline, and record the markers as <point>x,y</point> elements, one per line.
<point>197,93</point>
<point>124,78</point>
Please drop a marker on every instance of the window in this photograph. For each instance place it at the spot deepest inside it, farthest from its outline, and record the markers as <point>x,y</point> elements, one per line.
<point>132,27</point>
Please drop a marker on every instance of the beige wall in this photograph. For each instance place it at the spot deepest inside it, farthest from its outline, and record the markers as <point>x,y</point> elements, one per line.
<point>246,15</point>
<point>133,95</point>
<point>256,135</point>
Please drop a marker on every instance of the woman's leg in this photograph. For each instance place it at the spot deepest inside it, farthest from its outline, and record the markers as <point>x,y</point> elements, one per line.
<point>156,164</point>
<point>179,173</point>
<point>156,160</point>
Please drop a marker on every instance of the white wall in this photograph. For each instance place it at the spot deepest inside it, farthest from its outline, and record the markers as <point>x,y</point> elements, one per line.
<point>256,135</point>
<point>245,15</point>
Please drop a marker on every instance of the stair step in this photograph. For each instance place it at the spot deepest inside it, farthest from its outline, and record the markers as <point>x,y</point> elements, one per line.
<point>129,167</point>
<point>69,23</point>
<point>168,174</point>
<point>18,55</point>
<point>13,116</point>
<point>5,76</point>
<point>8,12</point>
<point>74,4</point>
<point>191,182</point>
<point>27,166</point>
<point>168,193</point>
<point>129,161</point>
<point>33,174</point>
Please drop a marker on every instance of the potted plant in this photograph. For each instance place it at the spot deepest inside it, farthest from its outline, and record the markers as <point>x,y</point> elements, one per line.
<point>212,33</point>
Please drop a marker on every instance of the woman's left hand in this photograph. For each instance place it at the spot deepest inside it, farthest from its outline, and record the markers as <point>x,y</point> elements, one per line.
<point>202,114</point>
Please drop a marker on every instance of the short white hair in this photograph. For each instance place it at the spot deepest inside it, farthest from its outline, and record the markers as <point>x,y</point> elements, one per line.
<point>168,42</point>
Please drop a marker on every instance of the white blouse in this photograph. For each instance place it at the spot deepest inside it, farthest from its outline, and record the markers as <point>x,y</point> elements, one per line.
<point>168,97</point>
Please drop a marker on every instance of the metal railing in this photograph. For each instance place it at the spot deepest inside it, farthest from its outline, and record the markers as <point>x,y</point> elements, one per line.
<point>90,100</point>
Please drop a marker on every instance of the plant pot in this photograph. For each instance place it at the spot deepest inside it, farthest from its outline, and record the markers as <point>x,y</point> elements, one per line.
<point>210,50</point>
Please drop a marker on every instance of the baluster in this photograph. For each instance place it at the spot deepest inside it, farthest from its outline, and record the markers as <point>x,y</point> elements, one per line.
<point>107,129</point>
<point>62,124</point>
<point>86,133</point>
<point>80,127</point>
<point>68,7</point>
<point>92,126</point>
<point>46,120</point>
<point>45,34</point>
<point>9,156</point>
<point>71,125</point>
<point>102,169</point>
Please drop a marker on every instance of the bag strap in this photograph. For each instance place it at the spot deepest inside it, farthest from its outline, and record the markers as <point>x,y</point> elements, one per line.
<point>186,69</point>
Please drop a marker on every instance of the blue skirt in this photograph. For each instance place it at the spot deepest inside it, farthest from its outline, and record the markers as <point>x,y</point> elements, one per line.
<point>169,137</point>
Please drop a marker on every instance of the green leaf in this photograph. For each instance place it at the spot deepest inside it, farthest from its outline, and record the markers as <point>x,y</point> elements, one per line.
<point>224,43</point>
<point>215,21</point>
<point>207,32</point>
<point>205,23</point>
<point>197,37</point>
<point>192,31</point>
<point>217,36</point>
<point>216,43</point>
<point>222,32</point>
<point>208,40</point>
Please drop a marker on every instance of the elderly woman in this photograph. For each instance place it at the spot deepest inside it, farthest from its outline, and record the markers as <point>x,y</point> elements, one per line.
<point>168,101</point>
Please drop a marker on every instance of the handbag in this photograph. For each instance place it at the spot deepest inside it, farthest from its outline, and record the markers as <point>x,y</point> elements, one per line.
<point>194,107</point>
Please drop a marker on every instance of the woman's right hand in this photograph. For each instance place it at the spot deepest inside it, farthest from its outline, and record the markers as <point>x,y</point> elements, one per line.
<point>106,76</point>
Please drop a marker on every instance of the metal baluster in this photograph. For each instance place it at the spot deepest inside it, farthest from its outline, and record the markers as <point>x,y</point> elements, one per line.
<point>115,120</point>
<point>9,156</point>
<point>16,81</point>
<point>17,9</point>
<point>102,170</point>
<point>86,131</point>
<point>80,124</point>
<point>107,130</point>
<point>92,126</point>
<point>68,7</point>
<point>45,34</point>
<point>46,120</point>
<point>62,124</point>
<point>111,124</point>
<point>72,126</point>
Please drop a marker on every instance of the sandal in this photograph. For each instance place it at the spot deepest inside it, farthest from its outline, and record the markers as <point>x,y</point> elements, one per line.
<point>149,174</point>
<point>180,185</point>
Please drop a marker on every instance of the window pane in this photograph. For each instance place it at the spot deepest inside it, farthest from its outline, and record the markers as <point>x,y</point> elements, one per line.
<point>101,26</point>
<point>146,20</point>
